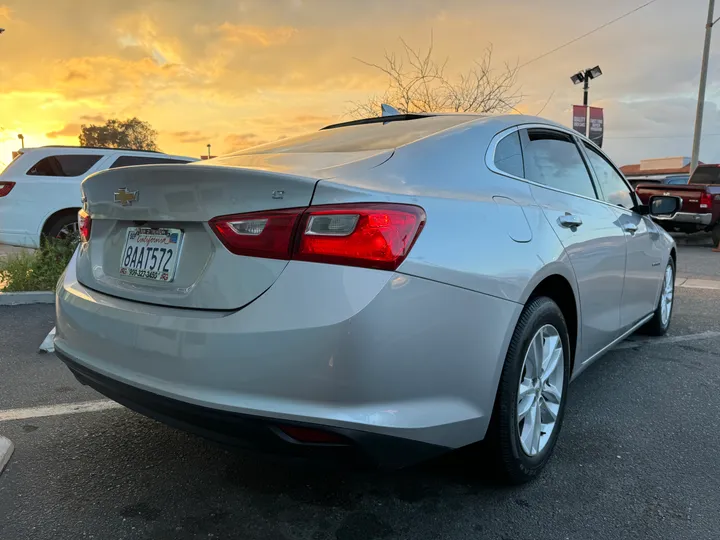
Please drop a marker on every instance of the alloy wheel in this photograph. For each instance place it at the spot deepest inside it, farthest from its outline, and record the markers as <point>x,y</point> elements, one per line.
<point>69,230</point>
<point>666,298</point>
<point>540,391</point>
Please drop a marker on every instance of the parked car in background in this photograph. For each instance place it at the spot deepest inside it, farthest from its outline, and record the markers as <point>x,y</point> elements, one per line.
<point>675,179</point>
<point>399,286</point>
<point>40,188</point>
<point>701,202</point>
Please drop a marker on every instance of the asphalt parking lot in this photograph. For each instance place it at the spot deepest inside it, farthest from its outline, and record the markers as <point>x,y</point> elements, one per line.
<point>637,459</point>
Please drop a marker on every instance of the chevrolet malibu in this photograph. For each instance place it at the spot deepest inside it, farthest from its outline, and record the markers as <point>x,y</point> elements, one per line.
<point>397,286</point>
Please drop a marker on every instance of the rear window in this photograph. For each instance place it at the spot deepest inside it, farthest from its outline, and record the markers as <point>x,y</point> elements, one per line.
<point>508,155</point>
<point>706,175</point>
<point>363,137</point>
<point>64,165</point>
<point>15,156</point>
<point>127,161</point>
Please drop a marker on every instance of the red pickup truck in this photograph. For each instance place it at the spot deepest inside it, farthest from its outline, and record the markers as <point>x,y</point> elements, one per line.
<point>701,202</point>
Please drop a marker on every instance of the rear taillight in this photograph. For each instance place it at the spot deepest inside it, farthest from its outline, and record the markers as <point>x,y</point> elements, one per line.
<point>705,200</point>
<point>84,225</point>
<point>259,234</point>
<point>368,235</point>
<point>6,187</point>
<point>375,235</point>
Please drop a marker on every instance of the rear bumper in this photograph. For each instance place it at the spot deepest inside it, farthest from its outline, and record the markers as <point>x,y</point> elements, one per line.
<point>255,432</point>
<point>687,217</point>
<point>331,346</point>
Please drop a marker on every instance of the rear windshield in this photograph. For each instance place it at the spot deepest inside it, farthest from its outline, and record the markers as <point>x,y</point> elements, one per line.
<point>706,175</point>
<point>126,161</point>
<point>358,138</point>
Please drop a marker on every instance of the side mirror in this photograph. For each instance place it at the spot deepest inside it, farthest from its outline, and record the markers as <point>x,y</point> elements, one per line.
<point>662,205</point>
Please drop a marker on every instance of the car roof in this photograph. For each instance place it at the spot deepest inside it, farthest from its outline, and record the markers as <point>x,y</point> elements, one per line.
<point>387,132</point>
<point>64,150</point>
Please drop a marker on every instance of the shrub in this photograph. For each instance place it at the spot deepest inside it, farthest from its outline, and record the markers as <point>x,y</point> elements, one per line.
<point>39,270</point>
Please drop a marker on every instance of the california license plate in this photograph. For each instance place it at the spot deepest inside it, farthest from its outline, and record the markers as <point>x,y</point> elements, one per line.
<point>151,253</point>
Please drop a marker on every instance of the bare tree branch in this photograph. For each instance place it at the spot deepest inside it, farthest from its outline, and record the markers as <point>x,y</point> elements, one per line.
<point>418,83</point>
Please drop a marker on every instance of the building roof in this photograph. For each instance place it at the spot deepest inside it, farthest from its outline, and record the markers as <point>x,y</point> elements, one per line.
<point>636,170</point>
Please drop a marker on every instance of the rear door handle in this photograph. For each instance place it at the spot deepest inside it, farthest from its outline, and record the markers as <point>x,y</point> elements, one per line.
<point>630,227</point>
<point>569,221</point>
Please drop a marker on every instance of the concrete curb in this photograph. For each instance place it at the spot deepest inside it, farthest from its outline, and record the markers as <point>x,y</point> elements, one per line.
<point>25,298</point>
<point>6,450</point>
<point>693,283</point>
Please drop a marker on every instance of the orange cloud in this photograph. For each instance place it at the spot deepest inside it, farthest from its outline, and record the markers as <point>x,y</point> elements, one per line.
<point>70,130</point>
<point>189,136</point>
<point>238,141</point>
<point>111,76</point>
<point>96,118</point>
<point>256,35</point>
<point>5,13</point>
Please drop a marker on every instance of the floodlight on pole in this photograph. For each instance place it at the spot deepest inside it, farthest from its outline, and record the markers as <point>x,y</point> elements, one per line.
<point>584,77</point>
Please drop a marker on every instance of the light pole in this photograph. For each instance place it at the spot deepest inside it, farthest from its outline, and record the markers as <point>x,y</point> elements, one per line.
<point>584,77</point>
<point>208,147</point>
<point>701,89</point>
<point>22,139</point>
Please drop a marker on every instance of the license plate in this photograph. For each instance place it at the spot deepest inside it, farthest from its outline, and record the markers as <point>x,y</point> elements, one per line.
<point>151,253</point>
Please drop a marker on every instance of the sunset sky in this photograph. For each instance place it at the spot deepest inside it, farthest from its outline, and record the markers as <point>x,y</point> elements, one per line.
<point>235,73</point>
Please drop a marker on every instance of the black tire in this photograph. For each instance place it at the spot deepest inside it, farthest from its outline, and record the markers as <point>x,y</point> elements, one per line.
<point>716,235</point>
<point>511,463</point>
<point>61,225</point>
<point>655,326</point>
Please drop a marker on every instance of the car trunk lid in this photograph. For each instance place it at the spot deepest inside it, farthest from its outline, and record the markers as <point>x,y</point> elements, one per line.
<point>182,199</point>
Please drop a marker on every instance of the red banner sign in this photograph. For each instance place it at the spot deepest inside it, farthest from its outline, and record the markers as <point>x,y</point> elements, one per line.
<point>580,118</point>
<point>597,125</point>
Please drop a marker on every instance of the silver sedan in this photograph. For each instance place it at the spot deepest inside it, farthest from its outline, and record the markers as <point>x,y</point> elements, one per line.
<point>397,286</point>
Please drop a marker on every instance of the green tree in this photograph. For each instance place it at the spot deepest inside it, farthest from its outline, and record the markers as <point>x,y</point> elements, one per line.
<point>132,133</point>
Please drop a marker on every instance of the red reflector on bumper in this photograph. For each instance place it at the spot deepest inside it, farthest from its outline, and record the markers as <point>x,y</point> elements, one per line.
<point>312,436</point>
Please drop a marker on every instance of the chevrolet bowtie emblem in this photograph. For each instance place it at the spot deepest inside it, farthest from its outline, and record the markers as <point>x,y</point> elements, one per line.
<point>125,197</point>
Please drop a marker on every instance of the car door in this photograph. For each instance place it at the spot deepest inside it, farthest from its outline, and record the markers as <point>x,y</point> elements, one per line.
<point>644,265</point>
<point>588,229</point>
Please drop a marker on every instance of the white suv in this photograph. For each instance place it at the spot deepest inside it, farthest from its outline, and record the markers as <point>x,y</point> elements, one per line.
<point>40,189</point>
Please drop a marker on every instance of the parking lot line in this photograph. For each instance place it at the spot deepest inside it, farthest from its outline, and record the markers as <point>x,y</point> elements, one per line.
<point>56,410</point>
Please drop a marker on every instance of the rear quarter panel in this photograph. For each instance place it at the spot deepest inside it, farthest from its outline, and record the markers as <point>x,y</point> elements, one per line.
<point>484,231</point>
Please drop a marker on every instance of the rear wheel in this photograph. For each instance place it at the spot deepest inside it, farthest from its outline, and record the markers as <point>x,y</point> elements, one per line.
<point>63,227</point>
<point>530,402</point>
<point>716,235</point>
<point>659,324</point>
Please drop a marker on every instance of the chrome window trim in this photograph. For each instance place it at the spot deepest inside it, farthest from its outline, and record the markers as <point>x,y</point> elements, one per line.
<point>490,160</point>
